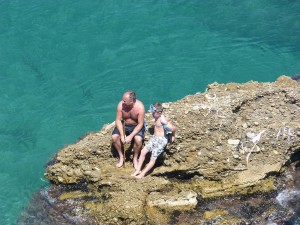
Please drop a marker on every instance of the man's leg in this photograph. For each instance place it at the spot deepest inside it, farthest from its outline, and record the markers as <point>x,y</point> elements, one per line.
<point>148,167</point>
<point>138,141</point>
<point>141,161</point>
<point>117,144</point>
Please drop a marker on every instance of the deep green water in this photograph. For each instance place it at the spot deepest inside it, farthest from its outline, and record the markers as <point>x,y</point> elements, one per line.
<point>65,64</point>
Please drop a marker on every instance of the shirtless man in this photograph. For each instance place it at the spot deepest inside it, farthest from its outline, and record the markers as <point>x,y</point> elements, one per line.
<point>132,111</point>
<point>164,131</point>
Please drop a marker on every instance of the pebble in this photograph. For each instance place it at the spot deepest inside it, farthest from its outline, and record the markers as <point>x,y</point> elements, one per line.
<point>257,149</point>
<point>236,156</point>
<point>275,152</point>
<point>233,141</point>
<point>250,135</point>
<point>60,179</point>
<point>166,105</point>
<point>196,108</point>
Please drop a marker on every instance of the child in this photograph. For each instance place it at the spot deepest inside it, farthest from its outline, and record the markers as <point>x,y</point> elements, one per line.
<point>156,144</point>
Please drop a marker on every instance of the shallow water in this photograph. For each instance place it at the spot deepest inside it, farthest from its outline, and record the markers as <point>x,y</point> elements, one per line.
<point>64,66</point>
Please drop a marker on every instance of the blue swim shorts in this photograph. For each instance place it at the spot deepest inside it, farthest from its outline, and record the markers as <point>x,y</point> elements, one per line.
<point>129,129</point>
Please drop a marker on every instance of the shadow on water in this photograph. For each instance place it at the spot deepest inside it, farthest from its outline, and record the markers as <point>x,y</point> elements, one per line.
<point>296,77</point>
<point>40,76</point>
<point>23,133</point>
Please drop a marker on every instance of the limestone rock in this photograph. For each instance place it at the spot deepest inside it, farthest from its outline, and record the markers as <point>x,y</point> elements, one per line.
<point>233,142</point>
<point>185,200</point>
<point>213,155</point>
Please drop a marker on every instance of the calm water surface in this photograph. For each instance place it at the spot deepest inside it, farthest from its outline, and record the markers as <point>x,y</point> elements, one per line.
<point>65,64</point>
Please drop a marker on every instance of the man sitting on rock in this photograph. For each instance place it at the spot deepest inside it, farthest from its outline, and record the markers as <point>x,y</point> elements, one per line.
<point>163,129</point>
<point>132,111</point>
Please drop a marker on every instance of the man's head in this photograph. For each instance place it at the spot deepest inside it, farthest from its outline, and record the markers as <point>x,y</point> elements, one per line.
<point>129,97</point>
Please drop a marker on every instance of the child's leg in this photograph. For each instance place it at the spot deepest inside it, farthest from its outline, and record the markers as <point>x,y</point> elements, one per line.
<point>148,167</point>
<point>141,161</point>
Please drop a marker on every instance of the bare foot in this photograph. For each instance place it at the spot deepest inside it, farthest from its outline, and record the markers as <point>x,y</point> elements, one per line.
<point>135,163</point>
<point>120,163</point>
<point>140,176</point>
<point>136,173</point>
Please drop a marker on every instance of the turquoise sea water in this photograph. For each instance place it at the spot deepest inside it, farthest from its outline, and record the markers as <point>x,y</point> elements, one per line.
<point>65,64</point>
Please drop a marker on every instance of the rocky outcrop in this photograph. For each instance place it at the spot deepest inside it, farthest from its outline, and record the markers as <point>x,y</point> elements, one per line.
<point>233,138</point>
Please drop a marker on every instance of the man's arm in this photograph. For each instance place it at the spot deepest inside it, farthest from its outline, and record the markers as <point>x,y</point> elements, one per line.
<point>118,122</point>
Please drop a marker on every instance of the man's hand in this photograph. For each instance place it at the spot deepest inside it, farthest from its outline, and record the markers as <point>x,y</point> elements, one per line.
<point>123,139</point>
<point>128,139</point>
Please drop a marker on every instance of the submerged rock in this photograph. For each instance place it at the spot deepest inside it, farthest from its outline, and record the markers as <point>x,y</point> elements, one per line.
<point>217,154</point>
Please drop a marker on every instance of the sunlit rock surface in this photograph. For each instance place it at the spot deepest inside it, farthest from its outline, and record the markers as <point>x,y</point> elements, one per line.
<point>233,139</point>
